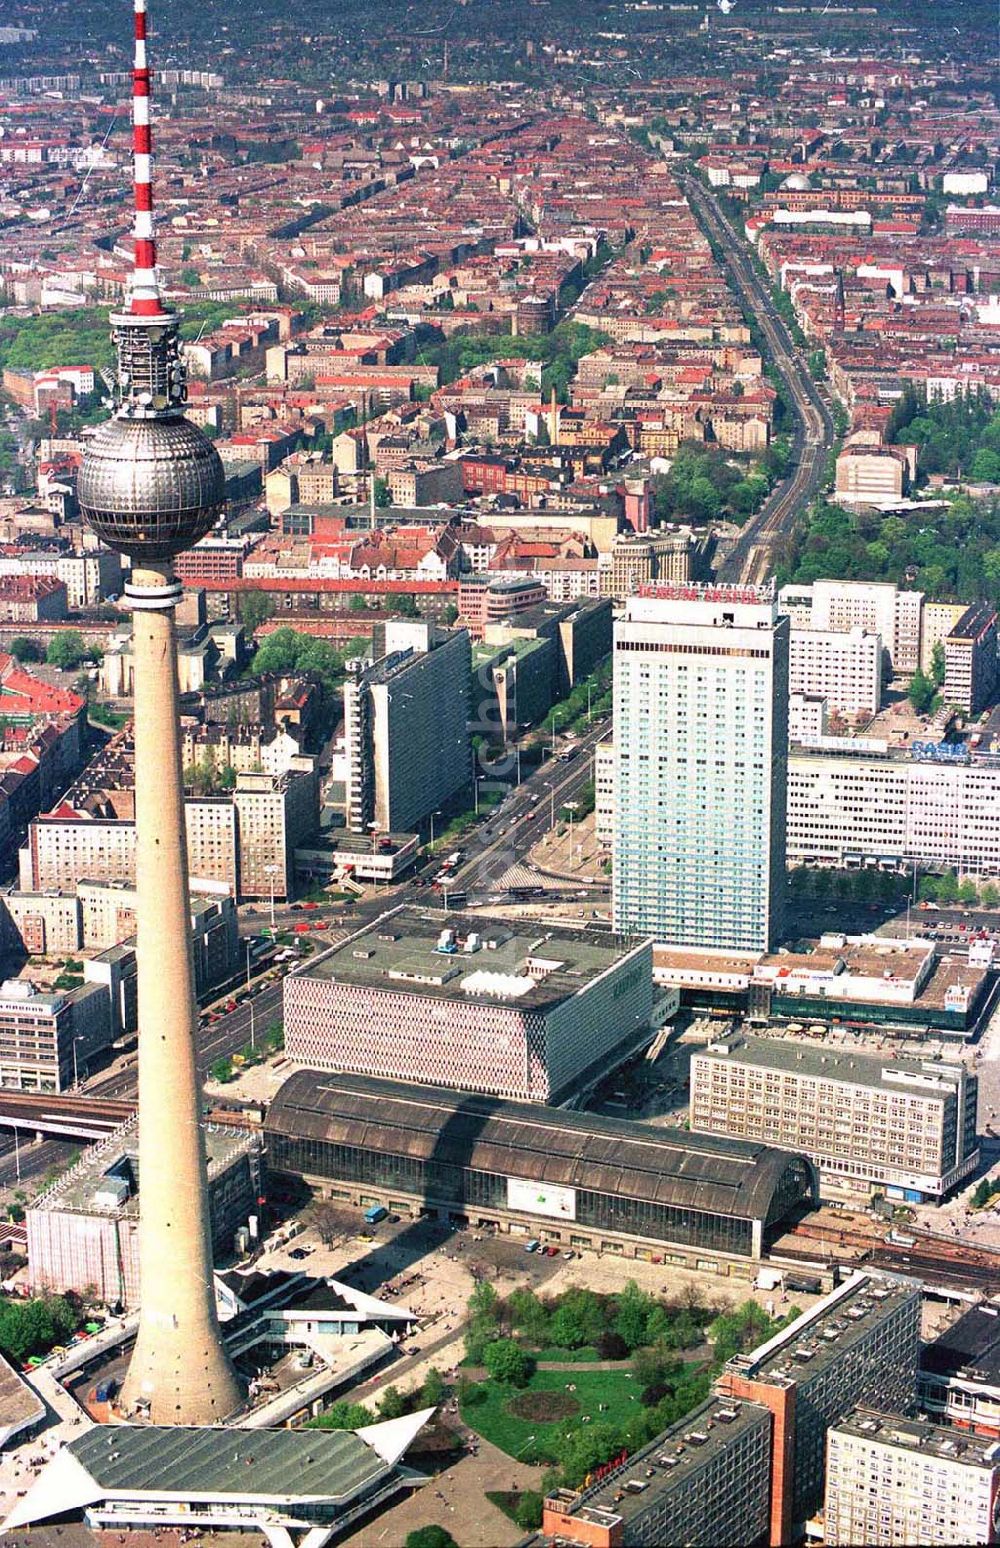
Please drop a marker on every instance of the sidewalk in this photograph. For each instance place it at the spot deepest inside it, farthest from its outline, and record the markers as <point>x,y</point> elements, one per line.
<point>574,858</point>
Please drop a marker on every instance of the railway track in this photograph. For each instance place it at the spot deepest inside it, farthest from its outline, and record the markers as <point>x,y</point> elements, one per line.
<point>751,558</point>
<point>931,1259</point>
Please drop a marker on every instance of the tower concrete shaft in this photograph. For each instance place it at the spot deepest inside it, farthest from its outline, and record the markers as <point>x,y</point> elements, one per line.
<point>179,1373</point>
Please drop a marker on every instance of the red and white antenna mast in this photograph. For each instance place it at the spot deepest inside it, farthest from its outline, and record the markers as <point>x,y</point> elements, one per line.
<point>145,332</point>
<point>145,298</point>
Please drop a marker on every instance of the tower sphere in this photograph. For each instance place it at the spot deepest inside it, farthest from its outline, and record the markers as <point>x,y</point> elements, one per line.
<point>151,487</point>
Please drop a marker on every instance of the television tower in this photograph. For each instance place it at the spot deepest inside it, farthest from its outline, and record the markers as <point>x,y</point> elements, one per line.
<point>151,485</point>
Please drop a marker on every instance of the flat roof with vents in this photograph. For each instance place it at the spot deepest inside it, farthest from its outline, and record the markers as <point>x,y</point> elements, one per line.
<point>533,965</point>
<point>827,1331</point>
<point>940,1442</point>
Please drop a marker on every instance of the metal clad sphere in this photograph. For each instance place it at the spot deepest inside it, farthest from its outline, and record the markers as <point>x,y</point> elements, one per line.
<point>151,487</point>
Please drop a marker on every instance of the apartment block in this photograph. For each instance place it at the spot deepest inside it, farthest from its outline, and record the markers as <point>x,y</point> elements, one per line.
<point>84,1229</point>
<point>937,622</point>
<point>47,1040</point>
<point>808,717</point>
<point>275,813</point>
<point>703,1482</point>
<point>845,668</point>
<point>872,474</point>
<point>902,1127</point>
<point>876,606</point>
<point>858,1345</point>
<point>604,792</point>
<point>62,848</point>
<point>406,733</point>
<point>892,1480</point>
<point>701,743</point>
<point>970,660</point>
<point>883,807</point>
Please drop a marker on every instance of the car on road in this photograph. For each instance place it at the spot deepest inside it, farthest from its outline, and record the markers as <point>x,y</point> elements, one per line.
<point>298,1253</point>
<point>533,1245</point>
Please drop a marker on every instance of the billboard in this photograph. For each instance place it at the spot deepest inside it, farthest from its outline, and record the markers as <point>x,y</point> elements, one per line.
<point>532,1198</point>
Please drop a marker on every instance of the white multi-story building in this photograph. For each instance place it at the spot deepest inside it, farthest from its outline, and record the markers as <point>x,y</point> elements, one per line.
<point>604,792</point>
<point>65,847</point>
<point>901,1127</point>
<point>893,1480</point>
<point>843,667</point>
<point>275,813</point>
<point>808,717</point>
<point>890,808</point>
<point>878,606</point>
<point>701,738</point>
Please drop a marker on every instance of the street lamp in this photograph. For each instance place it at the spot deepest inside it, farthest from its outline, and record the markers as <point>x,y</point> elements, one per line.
<point>434,814</point>
<point>552,802</point>
<point>571,807</point>
<point>247,944</point>
<point>271,871</point>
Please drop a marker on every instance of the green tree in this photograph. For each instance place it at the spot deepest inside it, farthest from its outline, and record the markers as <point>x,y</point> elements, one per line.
<point>528,1316</point>
<point>506,1361</point>
<point>656,1365</point>
<point>391,1404</point>
<point>484,1321</point>
<point>433,1536</point>
<point>450,615</point>
<point>33,1327</point>
<point>581,1450</point>
<point>968,893</point>
<point>383,494</point>
<point>986,466</point>
<point>287,652</point>
<point>938,664</point>
<point>989,897</point>
<point>921,692</point>
<point>342,1415</point>
<point>734,1332</point>
<point>433,1390</point>
<point>67,650</point>
<point>632,1315</point>
<point>528,1512</point>
<point>222,1071</point>
<point>25,650</point>
<point>256,607</point>
<point>948,888</point>
<point>577,1321</point>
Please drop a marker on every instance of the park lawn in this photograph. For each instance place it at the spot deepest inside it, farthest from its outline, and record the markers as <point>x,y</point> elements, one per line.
<point>490,1417</point>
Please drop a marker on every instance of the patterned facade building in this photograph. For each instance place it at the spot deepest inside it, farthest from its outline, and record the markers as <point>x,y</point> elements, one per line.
<point>478,1005</point>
